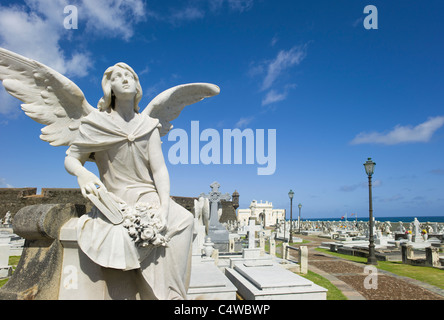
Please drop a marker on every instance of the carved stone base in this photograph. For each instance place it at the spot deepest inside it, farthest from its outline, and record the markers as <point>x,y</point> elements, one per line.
<point>83,279</point>
<point>38,273</point>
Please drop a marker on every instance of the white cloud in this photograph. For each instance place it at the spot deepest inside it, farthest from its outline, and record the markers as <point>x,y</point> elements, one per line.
<point>358,22</point>
<point>273,96</point>
<point>272,70</point>
<point>243,122</point>
<point>240,5</point>
<point>402,134</point>
<point>112,17</point>
<point>235,5</point>
<point>396,197</point>
<point>439,172</point>
<point>283,61</point>
<point>274,41</point>
<point>36,35</point>
<point>3,183</point>
<point>353,187</point>
<point>36,31</point>
<point>193,10</point>
<point>187,14</point>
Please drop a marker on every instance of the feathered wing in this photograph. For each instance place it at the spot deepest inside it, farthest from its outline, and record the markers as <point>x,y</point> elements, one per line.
<point>49,97</point>
<point>168,105</point>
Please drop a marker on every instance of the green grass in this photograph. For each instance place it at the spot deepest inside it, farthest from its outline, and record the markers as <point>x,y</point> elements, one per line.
<point>3,282</point>
<point>428,275</point>
<point>333,293</point>
<point>13,261</point>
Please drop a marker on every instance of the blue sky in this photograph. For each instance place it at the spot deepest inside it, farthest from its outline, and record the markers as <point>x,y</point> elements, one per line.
<point>335,92</point>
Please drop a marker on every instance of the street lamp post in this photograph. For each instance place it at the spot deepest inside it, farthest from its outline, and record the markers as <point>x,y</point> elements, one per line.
<point>291,195</point>
<point>370,169</point>
<point>299,218</point>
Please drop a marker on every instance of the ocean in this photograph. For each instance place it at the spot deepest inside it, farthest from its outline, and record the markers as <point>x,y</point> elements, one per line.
<point>422,219</point>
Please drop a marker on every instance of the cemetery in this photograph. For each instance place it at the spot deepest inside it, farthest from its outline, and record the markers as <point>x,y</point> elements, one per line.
<point>231,260</point>
<point>122,236</point>
<point>234,265</point>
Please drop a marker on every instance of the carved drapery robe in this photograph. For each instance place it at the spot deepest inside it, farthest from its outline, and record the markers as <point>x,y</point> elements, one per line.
<point>124,166</point>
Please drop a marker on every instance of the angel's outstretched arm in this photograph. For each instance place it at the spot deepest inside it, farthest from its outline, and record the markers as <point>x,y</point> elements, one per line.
<point>86,179</point>
<point>160,172</point>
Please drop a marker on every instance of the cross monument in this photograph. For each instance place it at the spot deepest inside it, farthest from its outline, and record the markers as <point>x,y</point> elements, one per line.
<point>216,231</point>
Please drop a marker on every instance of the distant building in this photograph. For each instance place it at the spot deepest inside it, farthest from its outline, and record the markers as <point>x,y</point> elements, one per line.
<point>263,212</point>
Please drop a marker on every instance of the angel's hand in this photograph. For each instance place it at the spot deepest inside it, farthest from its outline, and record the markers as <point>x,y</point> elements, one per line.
<point>88,183</point>
<point>162,216</point>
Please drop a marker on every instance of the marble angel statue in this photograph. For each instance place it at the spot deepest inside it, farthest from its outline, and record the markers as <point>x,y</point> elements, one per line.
<point>134,224</point>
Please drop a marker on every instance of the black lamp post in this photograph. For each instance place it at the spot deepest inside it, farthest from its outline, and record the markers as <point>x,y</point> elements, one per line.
<point>299,222</point>
<point>370,169</point>
<point>291,195</point>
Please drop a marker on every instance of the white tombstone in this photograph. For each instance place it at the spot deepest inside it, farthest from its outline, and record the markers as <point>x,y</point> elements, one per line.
<point>5,269</point>
<point>272,245</point>
<point>262,242</point>
<point>252,252</point>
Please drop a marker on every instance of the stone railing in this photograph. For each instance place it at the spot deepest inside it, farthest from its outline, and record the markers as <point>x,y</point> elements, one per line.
<point>432,258</point>
<point>302,253</point>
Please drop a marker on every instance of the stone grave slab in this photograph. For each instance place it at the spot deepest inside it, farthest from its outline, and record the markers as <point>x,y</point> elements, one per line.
<point>207,282</point>
<point>272,282</point>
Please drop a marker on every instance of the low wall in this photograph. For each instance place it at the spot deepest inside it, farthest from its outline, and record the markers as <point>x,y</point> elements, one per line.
<point>14,199</point>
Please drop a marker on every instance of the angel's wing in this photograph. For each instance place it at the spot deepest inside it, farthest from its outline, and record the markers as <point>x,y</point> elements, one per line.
<point>49,97</point>
<point>169,104</point>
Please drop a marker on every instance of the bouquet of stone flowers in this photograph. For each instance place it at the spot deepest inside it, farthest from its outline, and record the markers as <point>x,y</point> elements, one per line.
<point>143,225</point>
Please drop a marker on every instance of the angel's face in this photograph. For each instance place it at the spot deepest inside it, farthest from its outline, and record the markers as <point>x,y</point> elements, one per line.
<point>123,84</point>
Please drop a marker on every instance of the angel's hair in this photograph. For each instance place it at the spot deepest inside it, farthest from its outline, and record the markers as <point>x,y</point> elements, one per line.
<point>108,99</point>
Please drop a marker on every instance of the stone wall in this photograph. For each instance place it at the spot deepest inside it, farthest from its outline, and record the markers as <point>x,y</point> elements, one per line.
<point>13,199</point>
<point>228,212</point>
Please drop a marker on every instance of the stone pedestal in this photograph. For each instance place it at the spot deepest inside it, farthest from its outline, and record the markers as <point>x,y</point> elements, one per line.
<point>82,279</point>
<point>220,237</point>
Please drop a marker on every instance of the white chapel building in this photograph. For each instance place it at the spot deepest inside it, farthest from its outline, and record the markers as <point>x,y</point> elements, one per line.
<point>263,212</point>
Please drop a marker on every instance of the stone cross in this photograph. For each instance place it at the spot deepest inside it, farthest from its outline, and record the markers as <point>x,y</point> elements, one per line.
<point>251,229</point>
<point>215,196</point>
